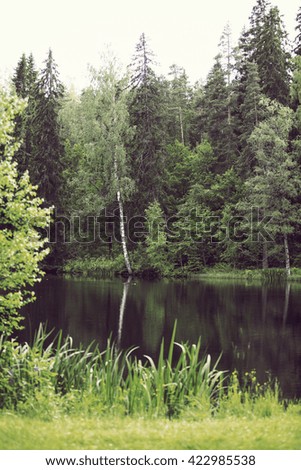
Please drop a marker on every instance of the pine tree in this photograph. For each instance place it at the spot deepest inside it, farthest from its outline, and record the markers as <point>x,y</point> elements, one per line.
<point>257,18</point>
<point>265,43</point>
<point>226,51</point>
<point>250,113</point>
<point>24,81</point>
<point>295,95</point>
<point>270,52</point>
<point>216,120</point>
<point>45,165</point>
<point>20,78</point>
<point>147,117</point>
<point>179,105</point>
<point>196,129</point>
<point>297,49</point>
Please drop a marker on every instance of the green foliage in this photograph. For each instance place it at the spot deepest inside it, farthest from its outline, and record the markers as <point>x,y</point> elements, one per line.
<point>21,221</point>
<point>25,82</point>
<point>54,379</point>
<point>251,114</point>
<point>273,186</point>
<point>146,104</point>
<point>114,381</point>
<point>24,372</point>
<point>94,267</point>
<point>297,49</point>
<point>183,168</point>
<point>179,110</point>
<point>125,143</point>
<point>269,50</point>
<point>45,164</point>
<point>10,107</point>
<point>246,396</point>
<point>276,180</point>
<point>156,239</point>
<point>216,117</point>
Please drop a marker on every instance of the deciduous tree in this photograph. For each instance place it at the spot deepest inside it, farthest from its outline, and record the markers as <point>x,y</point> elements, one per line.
<point>21,221</point>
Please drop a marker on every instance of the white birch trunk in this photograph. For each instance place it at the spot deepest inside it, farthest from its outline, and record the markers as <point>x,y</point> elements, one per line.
<point>126,286</point>
<point>121,220</point>
<point>286,302</point>
<point>119,198</point>
<point>287,256</point>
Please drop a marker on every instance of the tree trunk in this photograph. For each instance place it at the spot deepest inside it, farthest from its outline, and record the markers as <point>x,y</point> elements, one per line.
<point>121,219</point>
<point>181,125</point>
<point>287,256</point>
<point>265,259</point>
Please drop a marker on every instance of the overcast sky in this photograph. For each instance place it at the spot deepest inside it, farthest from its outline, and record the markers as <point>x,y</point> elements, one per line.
<point>185,32</point>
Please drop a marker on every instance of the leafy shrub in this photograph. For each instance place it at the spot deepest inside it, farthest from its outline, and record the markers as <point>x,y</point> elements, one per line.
<point>21,218</point>
<point>98,267</point>
<point>24,371</point>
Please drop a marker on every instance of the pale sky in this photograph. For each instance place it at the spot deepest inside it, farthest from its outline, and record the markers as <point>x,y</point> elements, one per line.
<point>184,32</point>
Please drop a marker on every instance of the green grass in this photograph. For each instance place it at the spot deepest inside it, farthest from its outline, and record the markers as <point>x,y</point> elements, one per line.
<point>94,267</point>
<point>270,275</point>
<point>282,432</point>
<point>58,397</point>
<point>112,381</point>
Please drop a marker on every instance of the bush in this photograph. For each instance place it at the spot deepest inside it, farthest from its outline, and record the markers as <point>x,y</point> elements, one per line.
<point>94,267</point>
<point>24,372</point>
<point>21,220</point>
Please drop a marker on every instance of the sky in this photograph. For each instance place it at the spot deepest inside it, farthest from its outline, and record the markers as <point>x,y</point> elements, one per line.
<point>182,32</point>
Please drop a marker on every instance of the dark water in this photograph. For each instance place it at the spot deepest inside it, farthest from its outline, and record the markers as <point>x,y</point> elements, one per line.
<point>254,326</point>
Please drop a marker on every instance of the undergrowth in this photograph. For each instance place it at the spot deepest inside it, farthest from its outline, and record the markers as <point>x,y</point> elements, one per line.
<point>52,380</point>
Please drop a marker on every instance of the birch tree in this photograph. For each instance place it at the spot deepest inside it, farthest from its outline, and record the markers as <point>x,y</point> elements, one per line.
<point>111,122</point>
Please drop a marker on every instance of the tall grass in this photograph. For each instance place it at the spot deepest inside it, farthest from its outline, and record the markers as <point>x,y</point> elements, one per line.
<point>48,378</point>
<point>112,380</point>
<point>94,267</point>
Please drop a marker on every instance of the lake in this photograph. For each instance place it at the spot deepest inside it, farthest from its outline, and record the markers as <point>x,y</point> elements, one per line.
<point>254,326</point>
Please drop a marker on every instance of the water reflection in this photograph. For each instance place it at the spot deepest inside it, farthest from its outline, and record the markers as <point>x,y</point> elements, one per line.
<point>253,326</point>
<point>126,286</point>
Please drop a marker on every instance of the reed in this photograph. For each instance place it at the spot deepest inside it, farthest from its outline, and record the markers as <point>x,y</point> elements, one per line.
<point>55,377</point>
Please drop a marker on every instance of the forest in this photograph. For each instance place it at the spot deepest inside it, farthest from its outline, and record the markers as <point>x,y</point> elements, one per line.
<point>150,176</point>
<point>155,175</point>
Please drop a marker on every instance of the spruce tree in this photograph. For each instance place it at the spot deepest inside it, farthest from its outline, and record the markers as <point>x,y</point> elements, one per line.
<point>20,77</point>
<point>45,165</point>
<point>24,81</point>
<point>250,114</point>
<point>270,52</point>
<point>226,51</point>
<point>146,105</point>
<point>297,49</point>
<point>196,128</point>
<point>257,17</point>
<point>216,120</point>
<point>275,182</point>
<point>179,105</point>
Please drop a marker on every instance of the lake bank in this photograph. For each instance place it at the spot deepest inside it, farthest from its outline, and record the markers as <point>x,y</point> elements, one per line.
<point>108,268</point>
<point>254,325</point>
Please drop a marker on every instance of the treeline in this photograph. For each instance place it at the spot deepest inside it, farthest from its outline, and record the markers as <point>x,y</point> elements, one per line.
<point>180,176</point>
